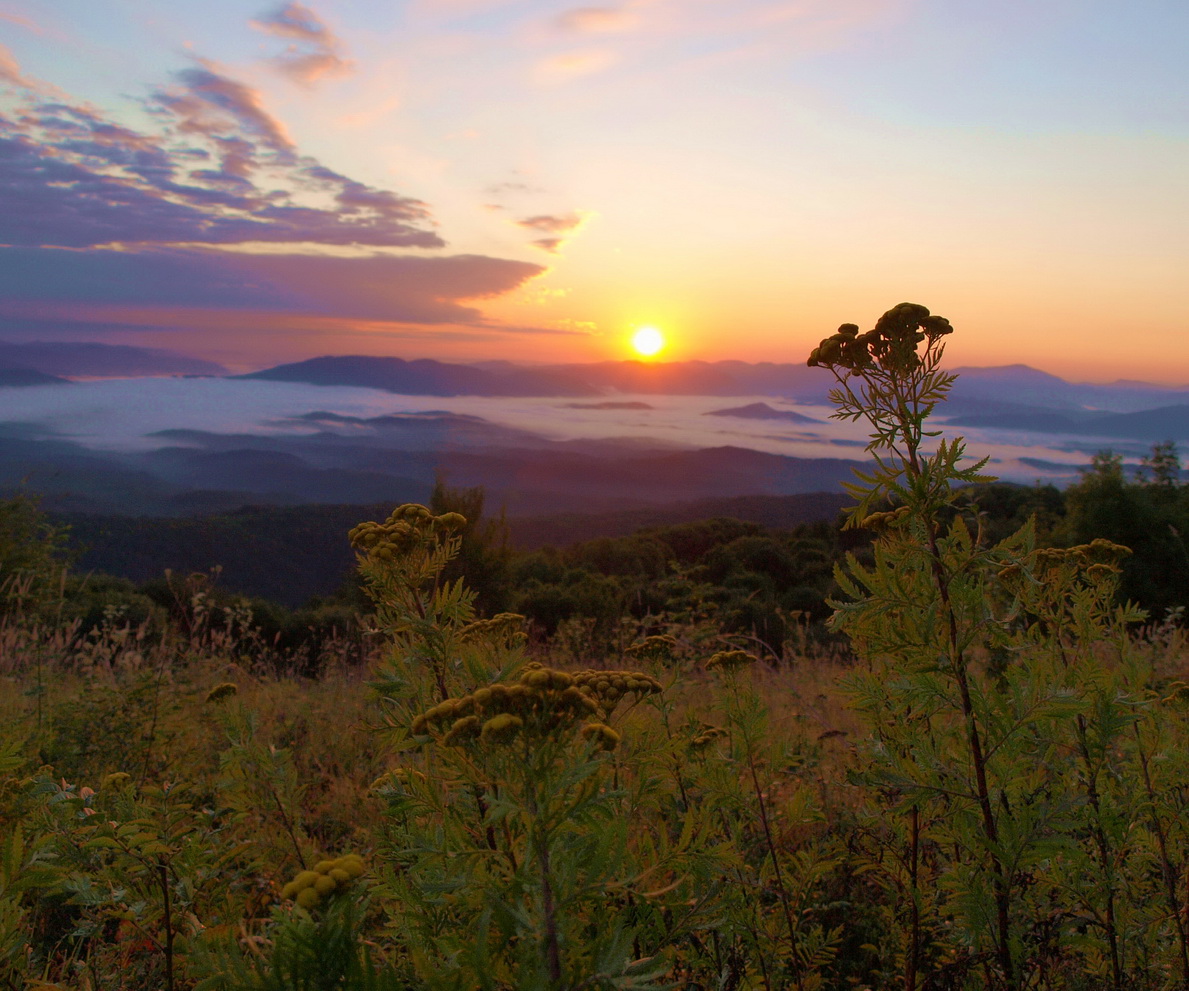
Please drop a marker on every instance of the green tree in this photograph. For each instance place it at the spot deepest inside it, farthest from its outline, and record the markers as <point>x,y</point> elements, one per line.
<point>1150,516</point>
<point>484,556</point>
<point>32,556</point>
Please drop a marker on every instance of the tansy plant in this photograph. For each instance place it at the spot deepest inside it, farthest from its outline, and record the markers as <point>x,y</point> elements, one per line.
<point>1000,691</point>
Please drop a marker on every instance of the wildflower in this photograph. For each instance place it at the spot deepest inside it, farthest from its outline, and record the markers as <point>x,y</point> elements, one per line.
<point>115,781</point>
<point>601,735</point>
<point>892,344</point>
<point>1101,572</point>
<point>500,728</point>
<point>309,887</point>
<point>653,647</point>
<point>407,527</point>
<point>1178,693</point>
<point>707,736</point>
<point>466,728</point>
<point>504,626</point>
<point>541,702</point>
<point>728,660</point>
<point>222,691</point>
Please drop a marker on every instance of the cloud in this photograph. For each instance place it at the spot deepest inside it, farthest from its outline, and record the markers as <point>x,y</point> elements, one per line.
<point>207,102</point>
<point>222,170</point>
<point>552,223</point>
<point>558,228</point>
<point>110,228</point>
<point>562,68</point>
<point>314,51</point>
<point>174,284</point>
<point>10,72</point>
<point>596,20</point>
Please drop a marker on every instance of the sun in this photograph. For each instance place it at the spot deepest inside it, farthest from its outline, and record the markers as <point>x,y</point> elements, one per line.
<point>648,341</point>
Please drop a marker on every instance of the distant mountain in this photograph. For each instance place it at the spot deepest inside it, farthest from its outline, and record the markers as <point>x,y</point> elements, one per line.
<point>1163,423</point>
<point>1006,389</point>
<point>88,359</point>
<point>16,376</point>
<point>425,377</point>
<point>1021,385</point>
<point>611,404</point>
<point>762,411</point>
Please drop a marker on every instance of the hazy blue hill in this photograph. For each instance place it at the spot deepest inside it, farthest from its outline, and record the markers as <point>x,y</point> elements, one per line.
<point>1163,423</point>
<point>89,359</point>
<point>16,376</point>
<point>762,411</point>
<point>424,377</point>
<point>1021,385</point>
<point>74,478</point>
<point>612,404</point>
<point>978,391</point>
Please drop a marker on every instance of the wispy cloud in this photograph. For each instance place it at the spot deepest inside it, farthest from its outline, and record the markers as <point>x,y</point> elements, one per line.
<point>21,21</point>
<point>596,20</point>
<point>571,65</point>
<point>313,52</point>
<point>558,228</point>
<point>10,71</point>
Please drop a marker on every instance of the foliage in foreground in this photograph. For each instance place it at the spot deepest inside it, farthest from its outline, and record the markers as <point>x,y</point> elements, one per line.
<point>990,795</point>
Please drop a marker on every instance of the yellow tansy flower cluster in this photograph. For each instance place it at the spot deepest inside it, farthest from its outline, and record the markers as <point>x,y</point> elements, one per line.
<point>654,648</point>
<point>543,700</point>
<point>728,660</point>
<point>707,735</point>
<point>222,691</point>
<point>608,687</point>
<point>327,877</point>
<point>506,626</point>
<point>115,781</point>
<point>892,344</point>
<point>1096,561</point>
<point>408,527</point>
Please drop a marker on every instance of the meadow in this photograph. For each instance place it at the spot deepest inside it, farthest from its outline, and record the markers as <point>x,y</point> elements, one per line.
<point>977,779</point>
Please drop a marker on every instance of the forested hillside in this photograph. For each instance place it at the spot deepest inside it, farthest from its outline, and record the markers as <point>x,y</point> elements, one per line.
<point>933,746</point>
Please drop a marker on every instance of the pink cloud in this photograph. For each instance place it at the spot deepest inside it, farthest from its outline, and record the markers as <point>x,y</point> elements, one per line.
<point>314,52</point>
<point>596,20</point>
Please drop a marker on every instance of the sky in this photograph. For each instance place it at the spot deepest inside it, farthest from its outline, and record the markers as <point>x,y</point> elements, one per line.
<point>534,181</point>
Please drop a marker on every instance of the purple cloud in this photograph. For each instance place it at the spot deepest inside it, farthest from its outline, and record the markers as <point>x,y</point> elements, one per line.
<point>400,289</point>
<point>207,100</point>
<point>554,226</point>
<point>105,226</point>
<point>70,177</point>
<point>313,53</point>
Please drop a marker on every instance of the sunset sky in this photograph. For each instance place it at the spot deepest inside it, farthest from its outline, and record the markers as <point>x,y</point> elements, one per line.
<point>534,181</point>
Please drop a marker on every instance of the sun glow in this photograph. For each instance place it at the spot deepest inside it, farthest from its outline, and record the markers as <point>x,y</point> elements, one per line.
<point>648,341</point>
